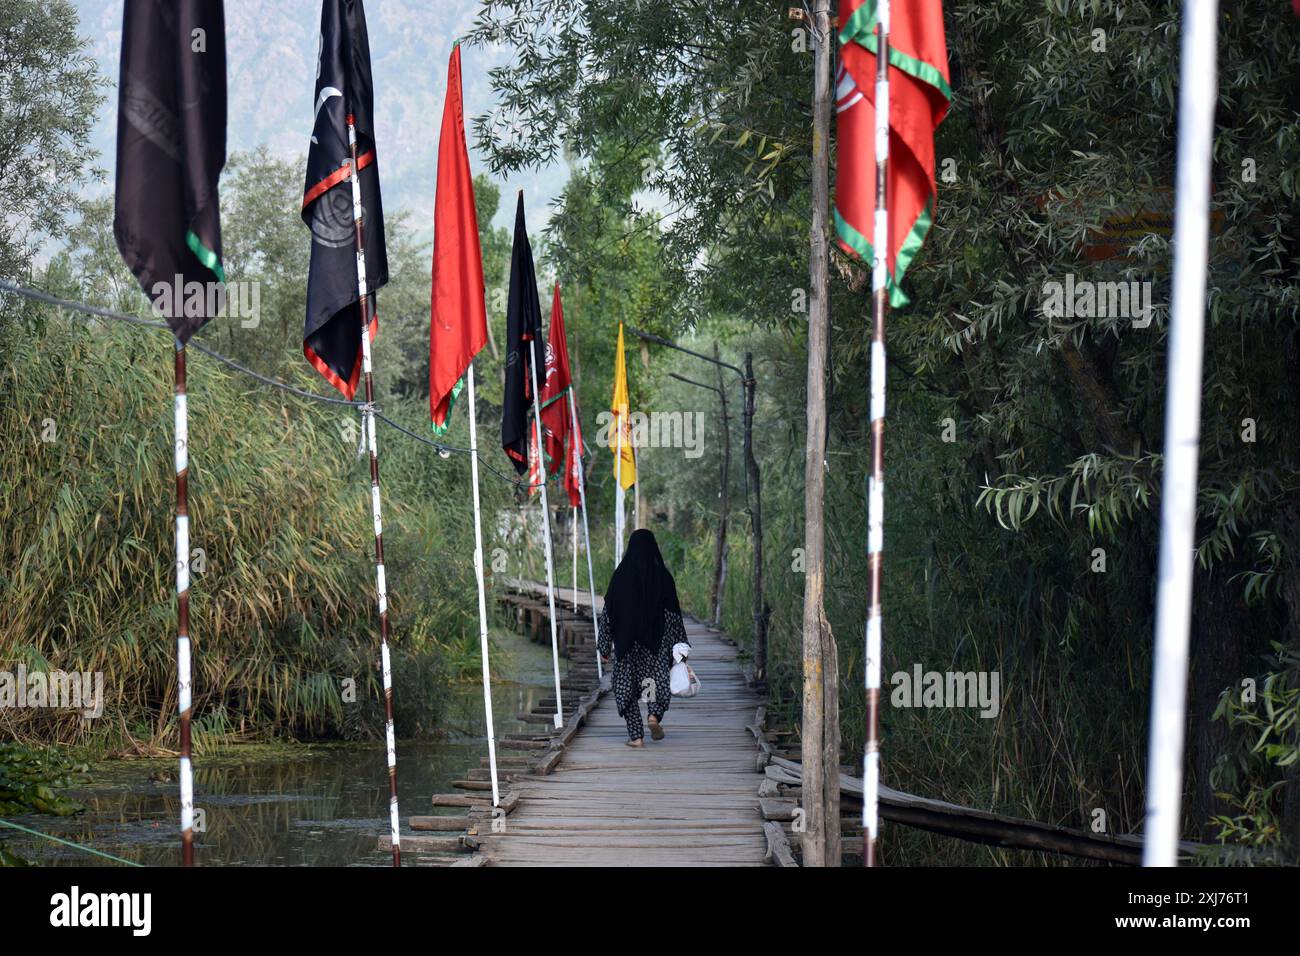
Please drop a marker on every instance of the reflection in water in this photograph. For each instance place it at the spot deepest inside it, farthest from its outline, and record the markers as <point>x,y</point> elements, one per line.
<point>302,805</point>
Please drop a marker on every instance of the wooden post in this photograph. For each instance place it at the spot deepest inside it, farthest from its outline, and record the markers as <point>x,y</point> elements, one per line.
<point>724,494</point>
<point>755,508</point>
<point>820,729</point>
<point>724,504</point>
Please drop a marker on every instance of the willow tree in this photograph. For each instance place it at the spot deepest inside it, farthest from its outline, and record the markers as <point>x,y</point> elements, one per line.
<point>1024,524</point>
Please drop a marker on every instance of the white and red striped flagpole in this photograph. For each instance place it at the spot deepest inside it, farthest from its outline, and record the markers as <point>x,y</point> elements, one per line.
<point>546,532</point>
<point>184,696</point>
<point>876,483</point>
<point>586,535</point>
<point>1197,97</point>
<point>368,413</point>
<point>482,591</point>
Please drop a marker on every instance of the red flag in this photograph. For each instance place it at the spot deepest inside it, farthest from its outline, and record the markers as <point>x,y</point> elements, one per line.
<point>919,96</point>
<point>535,477</point>
<point>458,309</point>
<point>555,408</point>
<point>573,473</point>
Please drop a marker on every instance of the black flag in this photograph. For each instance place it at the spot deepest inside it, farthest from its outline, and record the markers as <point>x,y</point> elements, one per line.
<point>171,147</point>
<point>331,337</point>
<point>523,324</point>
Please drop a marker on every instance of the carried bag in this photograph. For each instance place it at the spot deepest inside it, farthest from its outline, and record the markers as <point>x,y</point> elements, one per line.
<point>681,679</point>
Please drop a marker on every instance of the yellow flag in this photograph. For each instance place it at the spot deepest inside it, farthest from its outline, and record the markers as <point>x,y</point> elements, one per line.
<point>621,442</point>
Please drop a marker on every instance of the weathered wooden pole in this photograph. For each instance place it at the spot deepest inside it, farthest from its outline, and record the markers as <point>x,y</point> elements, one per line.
<point>724,466</point>
<point>754,505</point>
<point>820,726</point>
<point>724,503</point>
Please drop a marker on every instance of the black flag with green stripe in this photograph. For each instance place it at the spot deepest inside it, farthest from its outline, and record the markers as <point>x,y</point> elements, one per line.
<point>171,147</point>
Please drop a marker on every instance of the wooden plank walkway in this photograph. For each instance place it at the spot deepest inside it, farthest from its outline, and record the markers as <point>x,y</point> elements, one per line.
<point>690,799</point>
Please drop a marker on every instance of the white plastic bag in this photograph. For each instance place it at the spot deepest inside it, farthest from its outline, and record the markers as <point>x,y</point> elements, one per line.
<point>681,679</point>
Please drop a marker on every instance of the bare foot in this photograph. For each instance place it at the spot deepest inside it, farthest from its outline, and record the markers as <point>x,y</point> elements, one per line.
<point>656,731</point>
<point>636,743</point>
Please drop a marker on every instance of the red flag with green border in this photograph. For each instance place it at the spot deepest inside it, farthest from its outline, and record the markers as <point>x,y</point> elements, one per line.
<point>919,96</point>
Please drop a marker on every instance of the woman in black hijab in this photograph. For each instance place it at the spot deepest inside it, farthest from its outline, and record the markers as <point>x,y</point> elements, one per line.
<point>642,620</point>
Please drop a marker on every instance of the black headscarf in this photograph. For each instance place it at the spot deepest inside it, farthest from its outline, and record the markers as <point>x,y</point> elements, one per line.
<point>639,593</point>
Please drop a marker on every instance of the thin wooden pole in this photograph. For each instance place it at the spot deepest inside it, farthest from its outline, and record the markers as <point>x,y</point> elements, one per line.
<point>482,590</point>
<point>368,413</point>
<point>753,486</point>
<point>724,504</point>
<point>754,503</point>
<point>184,687</point>
<point>1197,96</point>
<point>876,482</point>
<point>586,534</point>
<point>820,756</point>
<point>546,533</point>
<point>718,586</point>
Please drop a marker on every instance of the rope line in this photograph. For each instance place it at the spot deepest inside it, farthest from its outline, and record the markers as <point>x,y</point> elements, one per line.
<point>88,309</point>
<point>75,846</point>
<point>85,308</point>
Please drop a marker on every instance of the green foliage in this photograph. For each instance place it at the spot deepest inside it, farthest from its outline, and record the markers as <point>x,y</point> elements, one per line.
<point>29,776</point>
<point>1018,443</point>
<point>49,92</point>
<point>1269,742</point>
<point>282,612</point>
<point>28,780</point>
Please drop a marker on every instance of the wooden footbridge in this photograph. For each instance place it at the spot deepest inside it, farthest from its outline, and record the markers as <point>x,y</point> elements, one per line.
<point>720,789</point>
<point>580,796</point>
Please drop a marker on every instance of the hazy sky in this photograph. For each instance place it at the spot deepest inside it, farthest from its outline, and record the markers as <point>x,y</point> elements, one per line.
<point>271,68</point>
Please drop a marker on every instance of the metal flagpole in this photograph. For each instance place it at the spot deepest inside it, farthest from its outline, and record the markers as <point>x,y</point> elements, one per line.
<point>574,520</point>
<point>368,413</point>
<point>482,593</point>
<point>1197,96</point>
<point>546,532</point>
<point>586,535</point>
<point>876,483</point>
<point>618,493</point>
<point>184,697</point>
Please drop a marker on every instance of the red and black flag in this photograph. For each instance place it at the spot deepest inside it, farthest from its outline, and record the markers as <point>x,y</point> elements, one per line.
<point>555,389</point>
<point>171,147</point>
<point>523,325</point>
<point>331,338</point>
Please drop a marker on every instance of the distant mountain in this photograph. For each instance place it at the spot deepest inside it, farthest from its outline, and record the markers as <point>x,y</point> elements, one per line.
<point>272,66</point>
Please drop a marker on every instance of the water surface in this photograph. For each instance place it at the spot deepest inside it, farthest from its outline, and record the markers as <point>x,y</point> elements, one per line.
<point>289,805</point>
